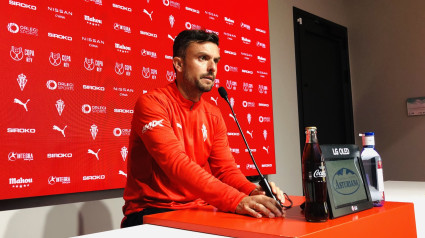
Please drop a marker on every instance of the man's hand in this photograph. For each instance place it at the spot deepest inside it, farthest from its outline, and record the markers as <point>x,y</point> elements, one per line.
<point>259,206</point>
<point>275,190</point>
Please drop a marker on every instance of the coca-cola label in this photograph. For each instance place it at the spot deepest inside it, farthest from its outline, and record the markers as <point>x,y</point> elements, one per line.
<point>319,173</point>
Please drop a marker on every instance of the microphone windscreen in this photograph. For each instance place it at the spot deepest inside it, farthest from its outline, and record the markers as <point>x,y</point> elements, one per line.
<point>222,91</point>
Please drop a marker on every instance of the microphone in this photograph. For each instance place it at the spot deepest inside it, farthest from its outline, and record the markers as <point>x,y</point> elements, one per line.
<point>263,181</point>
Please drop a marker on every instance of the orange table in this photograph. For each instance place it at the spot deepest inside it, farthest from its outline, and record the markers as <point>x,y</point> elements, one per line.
<point>394,219</point>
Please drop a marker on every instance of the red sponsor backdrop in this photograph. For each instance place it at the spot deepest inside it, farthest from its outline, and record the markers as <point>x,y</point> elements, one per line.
<point>72,70</point>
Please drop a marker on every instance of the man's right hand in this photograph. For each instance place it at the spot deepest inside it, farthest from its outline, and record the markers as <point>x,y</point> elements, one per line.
<point>259,206</point>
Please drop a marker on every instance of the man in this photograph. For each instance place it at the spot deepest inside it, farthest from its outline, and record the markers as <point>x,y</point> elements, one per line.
<point>179,155</point>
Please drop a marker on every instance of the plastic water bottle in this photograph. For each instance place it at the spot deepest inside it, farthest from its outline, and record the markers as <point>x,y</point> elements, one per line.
<point>372,164</point>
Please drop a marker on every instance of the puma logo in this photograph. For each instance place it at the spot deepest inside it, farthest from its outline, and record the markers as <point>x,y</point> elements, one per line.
<point>21,103</point>
<point>215,100</point>
<point>250,133</point>
<point>93,153</point>
<point>56,128</point>
<point>147,13</point>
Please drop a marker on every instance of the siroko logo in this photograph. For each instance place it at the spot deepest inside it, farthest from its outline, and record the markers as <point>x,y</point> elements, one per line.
<point>192,10</point>
<point>128,9</point>
<point>23,5</point>
<point>245,71</point>
<point>94,88</point>
<point>145,33</point>
<point>125,111</point>
<point>59,155</point>
<point>260,30</point>
<point>21,130</point>
<point>94,177</point>
<point>230,52</point>
<point>59,36</point>
<point>152,125</point>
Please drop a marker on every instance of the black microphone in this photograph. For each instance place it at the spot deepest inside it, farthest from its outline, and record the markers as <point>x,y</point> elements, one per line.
<point>263,181</point>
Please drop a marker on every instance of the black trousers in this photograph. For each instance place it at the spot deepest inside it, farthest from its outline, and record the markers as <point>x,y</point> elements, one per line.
<point>136,218</point>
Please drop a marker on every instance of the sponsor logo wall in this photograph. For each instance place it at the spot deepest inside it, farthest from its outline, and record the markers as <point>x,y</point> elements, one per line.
<point>72,72</point>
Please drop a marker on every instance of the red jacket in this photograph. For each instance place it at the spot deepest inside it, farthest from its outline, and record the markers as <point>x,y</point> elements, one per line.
<point>179,156</point>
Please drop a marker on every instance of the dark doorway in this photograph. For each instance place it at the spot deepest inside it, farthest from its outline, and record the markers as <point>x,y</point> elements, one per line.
<point>323,79</point>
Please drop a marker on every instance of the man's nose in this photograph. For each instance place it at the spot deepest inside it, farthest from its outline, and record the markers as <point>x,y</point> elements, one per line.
<point>212,66</point>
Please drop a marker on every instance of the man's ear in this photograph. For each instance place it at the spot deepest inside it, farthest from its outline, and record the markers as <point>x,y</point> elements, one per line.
<point>178,64</point>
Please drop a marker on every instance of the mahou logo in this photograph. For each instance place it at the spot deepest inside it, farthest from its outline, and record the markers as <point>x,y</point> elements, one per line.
<point>60,105</point>
<point>22,81</point>
<point>20,182</point>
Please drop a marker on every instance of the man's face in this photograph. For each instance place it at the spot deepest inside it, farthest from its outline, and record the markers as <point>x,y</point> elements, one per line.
<point>199,66</point>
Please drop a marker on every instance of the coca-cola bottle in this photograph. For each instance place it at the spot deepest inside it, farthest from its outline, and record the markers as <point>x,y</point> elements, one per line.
<point>314,179</point>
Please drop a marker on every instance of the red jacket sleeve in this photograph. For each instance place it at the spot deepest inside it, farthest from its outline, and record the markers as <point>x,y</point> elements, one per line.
<point>152,123</point>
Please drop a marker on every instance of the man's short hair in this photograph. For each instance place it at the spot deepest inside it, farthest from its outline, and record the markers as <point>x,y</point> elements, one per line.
<point>184,38</point>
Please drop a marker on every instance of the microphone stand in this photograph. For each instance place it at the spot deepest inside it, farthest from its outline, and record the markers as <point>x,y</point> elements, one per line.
<point>263,181</point>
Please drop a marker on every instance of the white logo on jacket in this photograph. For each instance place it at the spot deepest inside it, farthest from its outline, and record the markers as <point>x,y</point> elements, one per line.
<point>151,125</point>
<point>204,132</point>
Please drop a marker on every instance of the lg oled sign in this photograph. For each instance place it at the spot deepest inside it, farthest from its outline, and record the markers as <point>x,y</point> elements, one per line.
<point>71,72</point>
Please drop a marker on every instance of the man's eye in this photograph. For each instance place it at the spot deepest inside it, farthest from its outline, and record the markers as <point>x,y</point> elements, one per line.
<point>203,58</point>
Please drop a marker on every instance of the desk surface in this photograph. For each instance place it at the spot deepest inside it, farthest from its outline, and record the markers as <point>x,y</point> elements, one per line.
<point>394,219</point>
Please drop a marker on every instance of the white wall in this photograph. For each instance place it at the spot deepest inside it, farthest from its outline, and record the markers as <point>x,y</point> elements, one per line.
<point>386,55</point>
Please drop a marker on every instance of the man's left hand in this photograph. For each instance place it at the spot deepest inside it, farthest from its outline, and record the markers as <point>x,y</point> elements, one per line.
<point>275,190</point>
